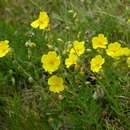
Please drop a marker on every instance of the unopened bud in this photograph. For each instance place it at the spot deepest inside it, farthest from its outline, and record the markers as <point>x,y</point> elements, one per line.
<point>61,97</point>
<point>30,79</point>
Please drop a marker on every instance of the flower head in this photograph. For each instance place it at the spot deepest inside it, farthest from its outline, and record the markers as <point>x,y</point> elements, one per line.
<point>4,48</point>
<point>71,60</point>
<point>50,61</point>
<point>78,48</point>
<point>99,42</point>
<point>55,84</point>
<point>96,63</point>
<point>42,21</point>
<point>114,50</point>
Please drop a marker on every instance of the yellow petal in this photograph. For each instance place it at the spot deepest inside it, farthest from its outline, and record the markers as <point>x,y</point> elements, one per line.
<point>35,24</point>
<point>43,15</point>
<point>6,41</point>
<point>43,26</point>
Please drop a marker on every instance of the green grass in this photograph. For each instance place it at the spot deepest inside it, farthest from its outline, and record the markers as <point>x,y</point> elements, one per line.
<point>25,101</point>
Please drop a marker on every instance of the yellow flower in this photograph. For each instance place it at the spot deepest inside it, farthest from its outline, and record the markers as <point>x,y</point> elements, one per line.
<point>96,63</point>
<point>50,61</point>
<point>42,21</point>
<point>55,84</point>
<point>114,50</point>
<point>99,42</point>
<point>125,51</point>
<point>78,48</point>
<point>72,60</point>
<point>4,48</point>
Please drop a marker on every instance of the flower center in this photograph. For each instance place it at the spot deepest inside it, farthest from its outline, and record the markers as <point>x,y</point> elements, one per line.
<point>56,84</point>
<point>41,22</point>
<point>51,62</point>
<point>97,64</point>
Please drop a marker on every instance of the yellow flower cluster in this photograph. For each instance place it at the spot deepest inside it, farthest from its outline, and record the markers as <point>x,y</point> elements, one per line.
<point>113,50</point>
<point>51,61</point>
<point>77,50</point>
<point>4,48</point>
